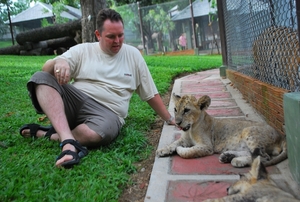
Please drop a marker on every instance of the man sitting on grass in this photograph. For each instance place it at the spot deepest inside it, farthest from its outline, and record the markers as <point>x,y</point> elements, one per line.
<point>90,112</point>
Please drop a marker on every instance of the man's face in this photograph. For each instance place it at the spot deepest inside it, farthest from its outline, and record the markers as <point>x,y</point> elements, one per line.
<point>112,37</point>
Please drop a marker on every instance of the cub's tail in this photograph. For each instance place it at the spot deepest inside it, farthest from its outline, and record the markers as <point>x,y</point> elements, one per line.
<point>281,157</point>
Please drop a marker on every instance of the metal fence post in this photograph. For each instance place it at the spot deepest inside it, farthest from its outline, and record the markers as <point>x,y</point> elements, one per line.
<point>193,26</point>
<point>222,37</point>
<point>298,18</point>
<point>141,28</point>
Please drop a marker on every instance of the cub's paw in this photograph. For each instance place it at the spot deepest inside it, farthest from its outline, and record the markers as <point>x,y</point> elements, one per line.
<point>163,152</point>
<point>226,157</point>
<point>240,162</point>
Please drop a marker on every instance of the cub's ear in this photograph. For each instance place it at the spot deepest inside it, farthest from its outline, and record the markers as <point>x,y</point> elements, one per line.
<point>258,170</point>
<point>204,102</point>
<point>175,97</point>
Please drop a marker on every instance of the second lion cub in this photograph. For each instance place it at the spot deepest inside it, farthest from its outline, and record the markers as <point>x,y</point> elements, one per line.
<point>256,185</point>
<point>233,139</point>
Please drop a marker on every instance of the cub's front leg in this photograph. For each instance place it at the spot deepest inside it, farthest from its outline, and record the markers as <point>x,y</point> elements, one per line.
<point>170,149</point>
<point>199,150</point>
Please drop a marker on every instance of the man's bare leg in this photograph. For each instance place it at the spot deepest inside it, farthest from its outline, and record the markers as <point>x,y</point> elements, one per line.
<point>82,133</point>
<point>85,136</point>
<point>52,105</point>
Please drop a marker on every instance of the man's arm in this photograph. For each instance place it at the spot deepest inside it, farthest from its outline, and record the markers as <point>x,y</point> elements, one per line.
<point>158,106</point>
<point>49,66</point>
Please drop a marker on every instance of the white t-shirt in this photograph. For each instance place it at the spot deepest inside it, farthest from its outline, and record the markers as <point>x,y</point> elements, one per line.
<point>110,80</point>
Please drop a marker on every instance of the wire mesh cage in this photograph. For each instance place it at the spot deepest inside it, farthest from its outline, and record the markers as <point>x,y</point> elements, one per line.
<point>262,40</point>
<point>161,32</point>
<point>159,28</point>
<point>129,13</point>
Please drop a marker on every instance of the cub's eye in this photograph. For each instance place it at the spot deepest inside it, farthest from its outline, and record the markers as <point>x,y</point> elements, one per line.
<point>175,110</point>
<point>186,110</point>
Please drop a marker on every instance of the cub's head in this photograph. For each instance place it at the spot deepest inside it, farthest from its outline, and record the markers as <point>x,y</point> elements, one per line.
<point>257,174</point>
<point>188,109</point>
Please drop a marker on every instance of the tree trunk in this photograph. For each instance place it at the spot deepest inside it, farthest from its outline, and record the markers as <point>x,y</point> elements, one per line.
<point>172,41</point>
<point>214,42</point>
<point>51,32</point>
<point>41,48</point>
<point>89,10</point>
<point>65,42</point>
<point>38,51</point>
<point>159,41</point>
<point>11,50</point>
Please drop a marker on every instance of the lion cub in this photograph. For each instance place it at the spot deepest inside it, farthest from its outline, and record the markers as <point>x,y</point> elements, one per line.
<point>233,139</point>
<point>255,186</point>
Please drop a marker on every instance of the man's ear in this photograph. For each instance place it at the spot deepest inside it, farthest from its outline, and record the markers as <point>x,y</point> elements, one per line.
<point>204,102</point>
<point>97,34</point>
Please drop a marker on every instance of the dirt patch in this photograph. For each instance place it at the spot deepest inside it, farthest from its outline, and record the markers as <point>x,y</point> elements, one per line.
<point>179,52</point>
<point>137,191</point>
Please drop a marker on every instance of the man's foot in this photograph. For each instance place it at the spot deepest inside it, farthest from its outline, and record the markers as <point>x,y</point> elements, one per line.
<point>36,130</point>
<point>71,154</point>
<point>66,157</point>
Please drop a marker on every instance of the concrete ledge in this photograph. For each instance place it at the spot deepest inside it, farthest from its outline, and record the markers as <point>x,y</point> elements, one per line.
<point>291,103</point>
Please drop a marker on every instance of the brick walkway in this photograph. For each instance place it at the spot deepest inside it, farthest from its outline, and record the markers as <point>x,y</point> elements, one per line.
<point>174,179</point>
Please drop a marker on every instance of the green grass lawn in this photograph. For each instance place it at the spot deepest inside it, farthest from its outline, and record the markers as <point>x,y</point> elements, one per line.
<point>27,166</point>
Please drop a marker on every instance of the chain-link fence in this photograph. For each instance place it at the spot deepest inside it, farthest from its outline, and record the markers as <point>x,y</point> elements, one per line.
<point>262,40</point>
<point>158,28</point>
<point>4,33</point>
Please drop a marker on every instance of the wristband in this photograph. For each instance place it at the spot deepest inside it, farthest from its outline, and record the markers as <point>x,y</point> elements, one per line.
<point>170,120</point>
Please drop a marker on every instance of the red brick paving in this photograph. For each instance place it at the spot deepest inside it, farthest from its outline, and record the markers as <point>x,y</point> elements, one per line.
<point>222,105</point>
<point>188,84</point>
<point>206,89</point>
<point>208,165</point>
<point>212,95</point>
<point>198,179</point>
<point>186,191</point>
<point>225,112</point>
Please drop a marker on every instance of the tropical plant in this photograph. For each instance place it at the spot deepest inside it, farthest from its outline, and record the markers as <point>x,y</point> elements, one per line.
<point>161,23</point>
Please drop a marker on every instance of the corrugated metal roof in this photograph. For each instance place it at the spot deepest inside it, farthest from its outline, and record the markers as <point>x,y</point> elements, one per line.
<point>200,8</point>
<point>42,10</point>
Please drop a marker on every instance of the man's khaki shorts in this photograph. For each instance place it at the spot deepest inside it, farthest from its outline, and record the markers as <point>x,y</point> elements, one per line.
<point>79,107</point>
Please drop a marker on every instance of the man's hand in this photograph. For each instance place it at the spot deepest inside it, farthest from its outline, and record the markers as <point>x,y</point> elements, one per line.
<point>61,71</point>
<point>171,121</point>
<point>58,68</point>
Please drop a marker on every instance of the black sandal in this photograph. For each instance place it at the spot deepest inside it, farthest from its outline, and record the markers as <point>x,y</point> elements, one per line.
<point>35,127</point>
<point>49,133</point>
<point>82,152</point>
